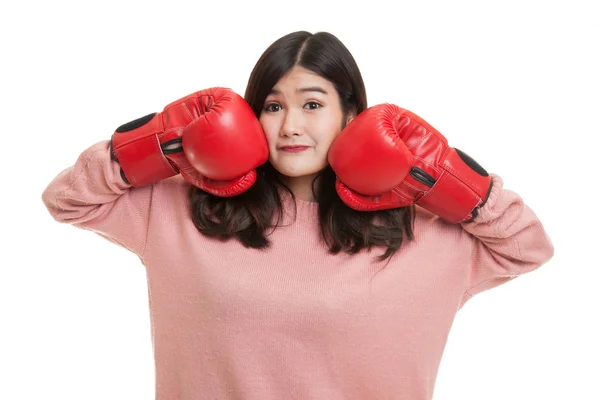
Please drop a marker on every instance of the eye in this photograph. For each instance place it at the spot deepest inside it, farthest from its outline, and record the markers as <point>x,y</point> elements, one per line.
<point>312,105</point>
<point>272,107</point>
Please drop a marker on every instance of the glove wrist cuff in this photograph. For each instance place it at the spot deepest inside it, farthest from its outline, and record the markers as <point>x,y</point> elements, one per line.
<point>137,149</point>
<point>463,187</point>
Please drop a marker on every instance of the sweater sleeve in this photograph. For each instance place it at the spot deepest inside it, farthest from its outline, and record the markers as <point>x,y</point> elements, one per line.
<point>92,195</point>
<point>507,240</point>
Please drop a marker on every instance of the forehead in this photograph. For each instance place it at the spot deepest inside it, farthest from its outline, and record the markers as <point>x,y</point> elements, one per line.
<point>300,80</point>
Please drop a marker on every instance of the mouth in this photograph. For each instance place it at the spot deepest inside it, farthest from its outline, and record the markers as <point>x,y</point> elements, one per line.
<point>293,149</point>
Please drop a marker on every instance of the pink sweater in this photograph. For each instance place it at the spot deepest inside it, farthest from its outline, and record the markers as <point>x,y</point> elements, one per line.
<point>295,322</point>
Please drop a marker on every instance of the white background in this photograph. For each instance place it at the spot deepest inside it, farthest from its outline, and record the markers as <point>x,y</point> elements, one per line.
<point>514,83</point>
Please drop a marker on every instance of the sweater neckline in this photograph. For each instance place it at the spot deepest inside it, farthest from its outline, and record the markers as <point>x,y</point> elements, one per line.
<point>305,211</point>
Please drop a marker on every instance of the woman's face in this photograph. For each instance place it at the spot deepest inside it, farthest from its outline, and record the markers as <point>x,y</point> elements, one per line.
<point>301,117</point>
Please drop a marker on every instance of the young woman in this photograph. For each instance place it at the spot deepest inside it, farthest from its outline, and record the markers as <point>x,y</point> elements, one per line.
<point>297,243</point>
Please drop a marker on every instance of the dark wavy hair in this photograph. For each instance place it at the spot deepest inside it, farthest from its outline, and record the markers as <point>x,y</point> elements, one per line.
<point>250,216</point>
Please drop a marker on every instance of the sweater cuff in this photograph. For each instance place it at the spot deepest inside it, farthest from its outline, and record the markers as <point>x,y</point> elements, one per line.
<point>487,211</point>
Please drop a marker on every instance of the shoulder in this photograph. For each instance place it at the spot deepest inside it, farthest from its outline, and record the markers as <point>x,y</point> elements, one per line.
<point>171,193</point>
<point>428,227</point>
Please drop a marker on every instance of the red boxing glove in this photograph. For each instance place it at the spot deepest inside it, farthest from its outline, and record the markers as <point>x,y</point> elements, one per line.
<point>211,137</point>
<point>437,177</point>
<point>370,160</point>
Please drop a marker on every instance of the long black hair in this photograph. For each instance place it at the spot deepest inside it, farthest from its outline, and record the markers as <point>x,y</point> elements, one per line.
<point>249,216</point>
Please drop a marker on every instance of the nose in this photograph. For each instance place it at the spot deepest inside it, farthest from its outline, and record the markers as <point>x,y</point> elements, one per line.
<point>291,124</point>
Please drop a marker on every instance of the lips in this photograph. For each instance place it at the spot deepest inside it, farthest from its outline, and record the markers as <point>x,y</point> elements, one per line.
<point>293,149</point>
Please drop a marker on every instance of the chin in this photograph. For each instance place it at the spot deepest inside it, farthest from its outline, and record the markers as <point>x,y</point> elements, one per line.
<point>294,174</point>
<point>298,170</point>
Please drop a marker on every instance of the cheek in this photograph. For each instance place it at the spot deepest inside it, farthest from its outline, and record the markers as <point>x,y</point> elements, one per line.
<point>326,132</point>
<point>271,129</point>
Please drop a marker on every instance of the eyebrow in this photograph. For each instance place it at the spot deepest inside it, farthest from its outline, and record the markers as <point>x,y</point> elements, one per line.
<point>303,90</point>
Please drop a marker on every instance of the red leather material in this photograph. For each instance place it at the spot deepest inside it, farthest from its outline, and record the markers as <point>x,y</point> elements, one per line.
<point>391,199</point>
<point>225,140</point>
<point>139,154</point>
<point>458,190</point>
<point>370,160</point>
<point>440,180</point>
<point>371,141</point>
<point>220,143</point>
